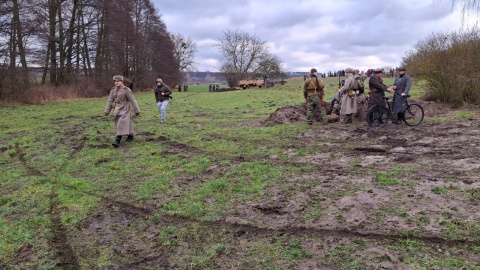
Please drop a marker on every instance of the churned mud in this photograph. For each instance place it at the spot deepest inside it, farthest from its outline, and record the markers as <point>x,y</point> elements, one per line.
<point>371,190</point>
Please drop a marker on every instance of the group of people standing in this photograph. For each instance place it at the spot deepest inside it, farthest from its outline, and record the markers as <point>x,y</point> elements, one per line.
<point>350,102</point>
<point>121,99</point>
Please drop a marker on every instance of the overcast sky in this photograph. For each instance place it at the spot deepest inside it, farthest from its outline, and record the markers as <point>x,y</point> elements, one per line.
<point>326,34</point>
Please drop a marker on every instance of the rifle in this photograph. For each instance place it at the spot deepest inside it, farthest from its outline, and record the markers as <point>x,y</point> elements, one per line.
<point>339,83</point>
<point>321,94</point>
<point>131,84</point>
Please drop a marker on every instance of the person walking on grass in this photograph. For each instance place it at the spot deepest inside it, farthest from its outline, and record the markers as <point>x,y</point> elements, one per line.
<point>313,93</point>
<point>121,99</point>
<point>162,95</point>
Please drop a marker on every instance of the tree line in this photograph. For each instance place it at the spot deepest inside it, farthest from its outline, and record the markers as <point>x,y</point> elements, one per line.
<point>83,42</point>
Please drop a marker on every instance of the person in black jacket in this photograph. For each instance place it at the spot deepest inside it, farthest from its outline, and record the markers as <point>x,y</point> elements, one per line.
<point>162,95</point>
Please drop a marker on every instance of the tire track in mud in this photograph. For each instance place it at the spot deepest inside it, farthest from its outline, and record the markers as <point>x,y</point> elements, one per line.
<point>252,230</point>
<point>21,156</point>
<point>59,240</point>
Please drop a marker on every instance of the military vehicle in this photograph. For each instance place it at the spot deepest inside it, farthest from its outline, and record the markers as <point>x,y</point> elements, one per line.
<point>249,83</point>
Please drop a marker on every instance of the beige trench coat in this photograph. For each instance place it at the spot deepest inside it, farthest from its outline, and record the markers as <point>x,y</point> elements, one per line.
<point>120,99</point>
<point>349,104</point>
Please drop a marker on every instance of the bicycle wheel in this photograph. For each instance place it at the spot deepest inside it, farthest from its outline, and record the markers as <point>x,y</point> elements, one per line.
<point>377,116</point>
<point>413,115</point>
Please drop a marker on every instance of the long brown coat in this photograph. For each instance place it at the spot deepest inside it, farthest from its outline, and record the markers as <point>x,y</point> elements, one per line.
<point>349,104</point>
<point>120,98</point>
<point>378,89</point>
<point>361,107</point>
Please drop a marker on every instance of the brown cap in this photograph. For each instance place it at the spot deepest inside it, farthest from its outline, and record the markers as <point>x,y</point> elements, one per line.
<point>118,78</point>
<point>401,69</point>
<point>348,70</point>
<point>378,70</point>
<point>313,70</point>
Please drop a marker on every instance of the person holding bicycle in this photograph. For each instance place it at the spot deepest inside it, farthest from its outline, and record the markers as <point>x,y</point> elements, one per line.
<point>401,86</point>
<point>378,88</point>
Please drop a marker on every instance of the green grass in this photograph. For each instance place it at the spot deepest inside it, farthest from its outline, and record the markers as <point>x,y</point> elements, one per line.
<point>456,116</point>
<point>385,179</point>
<point>208,160</point>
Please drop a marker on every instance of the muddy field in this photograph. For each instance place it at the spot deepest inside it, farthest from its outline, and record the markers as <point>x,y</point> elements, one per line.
<point>380,198</point>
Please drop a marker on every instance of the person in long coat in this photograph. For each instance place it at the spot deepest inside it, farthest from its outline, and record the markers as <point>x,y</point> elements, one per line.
<point>121,99</point>
<point>361,105</point>
<point>378,88</point>
<point>401,86</point>
<point>348,101</point>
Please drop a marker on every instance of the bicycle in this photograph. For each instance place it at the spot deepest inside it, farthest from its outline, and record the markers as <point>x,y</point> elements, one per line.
<point>378,115</point>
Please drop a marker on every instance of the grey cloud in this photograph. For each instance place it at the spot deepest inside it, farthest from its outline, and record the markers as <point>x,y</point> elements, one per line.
<point>336,32</point>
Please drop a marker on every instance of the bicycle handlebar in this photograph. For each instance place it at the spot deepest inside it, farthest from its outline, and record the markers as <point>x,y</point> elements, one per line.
<point>387,98</point>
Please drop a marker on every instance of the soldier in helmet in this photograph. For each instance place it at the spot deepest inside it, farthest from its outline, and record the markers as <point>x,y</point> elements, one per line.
<point>121,98</point>
<point>313,93</point>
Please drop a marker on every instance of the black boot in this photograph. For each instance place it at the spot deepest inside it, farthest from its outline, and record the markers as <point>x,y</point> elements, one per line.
<point>399,119</point>
<point>117,141</point>
<point>130,138</point>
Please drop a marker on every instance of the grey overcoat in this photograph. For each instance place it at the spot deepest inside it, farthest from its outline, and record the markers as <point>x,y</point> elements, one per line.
<point>403,84</point>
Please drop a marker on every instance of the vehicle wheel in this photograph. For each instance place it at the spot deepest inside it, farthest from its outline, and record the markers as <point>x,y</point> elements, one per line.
<point>378,116</point>
<point>413,115</point>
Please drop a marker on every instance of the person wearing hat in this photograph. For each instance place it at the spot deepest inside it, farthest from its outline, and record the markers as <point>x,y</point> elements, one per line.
<point>378,88</point>
<point>162,95</point>
<point>401,86</point>
<point>348,99</point>
<point>313,94</point>
<point>121,99</point>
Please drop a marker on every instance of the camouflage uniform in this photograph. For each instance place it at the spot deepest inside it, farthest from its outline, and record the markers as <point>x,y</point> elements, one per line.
<point>313,93</point>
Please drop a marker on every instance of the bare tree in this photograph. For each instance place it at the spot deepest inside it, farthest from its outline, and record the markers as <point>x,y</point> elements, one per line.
<point>241,52</point>
<point>14,31</point>
<point>86,39</point>
<point>269,66</point>
<point>185,49</point>
<point>230,74</point>
<point>467,6</point>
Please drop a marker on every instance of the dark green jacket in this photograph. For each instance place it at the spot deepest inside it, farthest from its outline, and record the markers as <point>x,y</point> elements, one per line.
<point>162,89</point>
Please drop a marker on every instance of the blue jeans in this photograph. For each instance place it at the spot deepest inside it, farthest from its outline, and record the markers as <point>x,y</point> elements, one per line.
<point>162,106</point>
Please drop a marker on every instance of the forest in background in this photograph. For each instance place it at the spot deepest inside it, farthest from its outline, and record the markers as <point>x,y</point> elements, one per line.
<point>79,45</point>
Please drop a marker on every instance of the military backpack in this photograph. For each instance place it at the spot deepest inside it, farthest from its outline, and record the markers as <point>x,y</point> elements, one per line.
<point>358,84</point>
